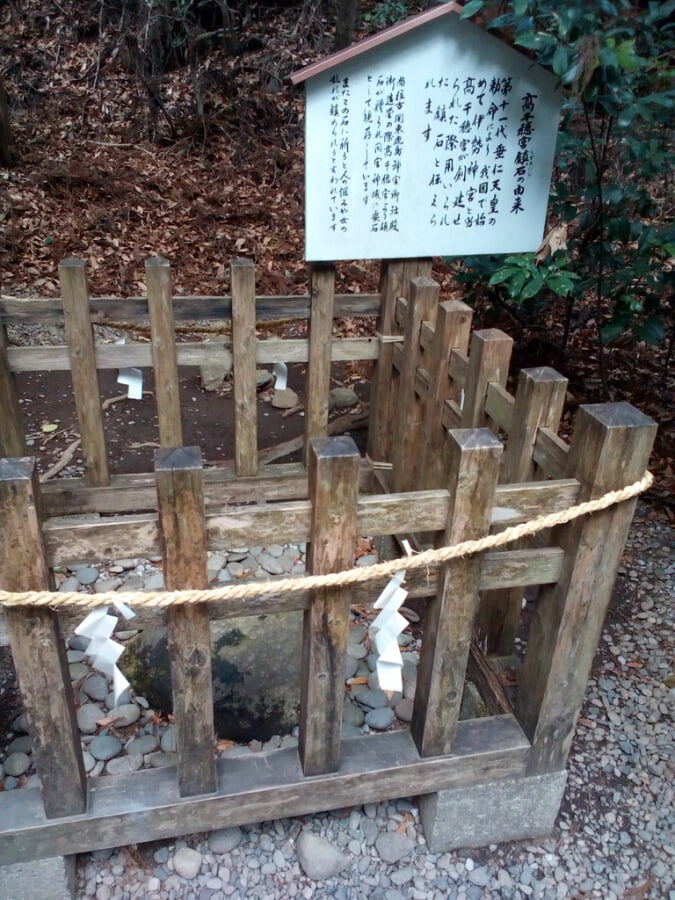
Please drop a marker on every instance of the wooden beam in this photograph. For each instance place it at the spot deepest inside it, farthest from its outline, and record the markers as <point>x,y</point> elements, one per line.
<point>180,493</point>
<point>610,448</point>
<point>81,352</point>
<point>12,437</point>
<point>489,358</point>
<point>164,361</point>
<point>474,465</point>
<point>38,650</point>
<point>146,806</point>
<point>322,287</point>
<point>242,275</point>
<point>333,487</point>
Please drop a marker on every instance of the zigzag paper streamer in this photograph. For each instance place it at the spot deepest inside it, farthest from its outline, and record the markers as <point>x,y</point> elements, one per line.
<point>384,633</point>
<point>102,651</point>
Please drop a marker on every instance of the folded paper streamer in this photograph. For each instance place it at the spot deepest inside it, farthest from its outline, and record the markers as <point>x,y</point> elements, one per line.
<point>280,371</point>
<point>102,651</point>
<point>132,377</point>
<point>384,633</point>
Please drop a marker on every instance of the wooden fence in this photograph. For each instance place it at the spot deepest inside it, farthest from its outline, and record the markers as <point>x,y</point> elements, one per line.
<point>452,455</point>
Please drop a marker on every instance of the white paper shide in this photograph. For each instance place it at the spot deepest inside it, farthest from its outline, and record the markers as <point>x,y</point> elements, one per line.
<point>384,633</point>
<point>102,651</point>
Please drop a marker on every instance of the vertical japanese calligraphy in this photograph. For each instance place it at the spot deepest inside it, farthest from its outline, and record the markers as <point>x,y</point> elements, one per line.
<point>338,192</point>
<point>383,120</point>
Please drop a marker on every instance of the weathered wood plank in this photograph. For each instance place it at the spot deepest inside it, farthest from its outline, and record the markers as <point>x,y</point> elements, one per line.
<point>242,274</point>
<point>180,494</point>
<point>117,356</point>
<point>75,296</point>
<point>539,401</point>
<point>164,361</point>
<point>489,358</point>
<point>145,806</point>
<point>394,279</point>
<point>487,681</point>
<point>406,422</point>
<point>610,448</point>
<point>38,650</point>
<point>474,465</point>
<point>322,286</point>
<point>333,486</point>
<point>103,310</point>
<point>550,453</point>
<point>452,331</point>
<point>499,406</point>
<point>12,438</point>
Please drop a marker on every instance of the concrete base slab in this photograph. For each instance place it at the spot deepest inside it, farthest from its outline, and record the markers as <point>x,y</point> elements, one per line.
<point>40,879</point>
<point>513,809</point>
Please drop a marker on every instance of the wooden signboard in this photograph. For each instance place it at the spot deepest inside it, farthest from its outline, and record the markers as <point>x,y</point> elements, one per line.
<point>432,138</point>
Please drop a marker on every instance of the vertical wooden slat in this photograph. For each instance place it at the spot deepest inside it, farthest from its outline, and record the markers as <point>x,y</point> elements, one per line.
<point>610,448</point>
<point>394,279</point>
<point>474,466</point>
<point>80,336</point>
<point>406,419</point>
<point>322,298</point>
<point>489,359</point>
<point>160,309</point>
<point>243,356</point>
<point>180,493</point>
<point>539,402</point>
<point>37,647</point>
<point>452,331</point>
<point>333,488</point>
<point>12,438</point>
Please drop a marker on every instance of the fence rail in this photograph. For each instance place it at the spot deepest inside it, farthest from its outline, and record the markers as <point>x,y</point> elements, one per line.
<point>501,462</point>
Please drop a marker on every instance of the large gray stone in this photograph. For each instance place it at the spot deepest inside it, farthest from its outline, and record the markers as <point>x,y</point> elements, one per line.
<point>513,809</point>
<point>318,858</point>
<point>256,674</point>
<point>39,879</point>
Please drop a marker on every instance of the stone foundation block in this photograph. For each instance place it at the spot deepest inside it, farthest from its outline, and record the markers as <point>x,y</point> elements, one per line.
<point>512,809</point>
<point>40,879</point>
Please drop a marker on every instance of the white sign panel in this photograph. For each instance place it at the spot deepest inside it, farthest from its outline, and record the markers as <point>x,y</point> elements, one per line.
<point>439,142</point>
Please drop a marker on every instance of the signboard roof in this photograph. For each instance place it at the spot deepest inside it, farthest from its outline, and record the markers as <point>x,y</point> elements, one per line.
<point>429,138</point>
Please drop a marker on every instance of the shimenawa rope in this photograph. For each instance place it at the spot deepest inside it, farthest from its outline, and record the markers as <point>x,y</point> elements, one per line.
<point>356,575</point>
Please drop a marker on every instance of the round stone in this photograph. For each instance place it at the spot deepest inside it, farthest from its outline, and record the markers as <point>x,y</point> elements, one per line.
<point>17,764</point>
<point>225,839</point>
<point>380,719</point>
<point>357,651</point>
<point>393,846</point>
<point>96,687</point>
<point>69,585</point>
<point>154,582</point>
<point>20,724</point>
<point>187,862</point>
<point>77,671</point>
<point>159,760</point>
<point>271,564</point>
<point>352,714</point>
<point>124,765</point>
<point>375,699</point>
<point>169,740</point>
<point>87,716</point>
<point>126,714</point>
<point>284,399</point>
<point>22,744</point>
<point>404,709</point>
<point>88,760</point>
<point>104,747</point>
<point>87,575</point>
<point>147,743</point>
<point>343,398</point>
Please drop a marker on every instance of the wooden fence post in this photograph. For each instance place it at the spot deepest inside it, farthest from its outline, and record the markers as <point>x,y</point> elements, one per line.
<point>489,359</point>
<point>451,332</point>
<point>164,362</point>
<point>539,402</point>
<point>609,449</point>
<point>82,352</point>
<point>406,420</point>
<point>394,280</point>
<point>37,647</point>
<point>242,273</point>
<point>333,490</point>
<point>12,438</point>
<point>322,299</point>
<point>180,493</point>
<point>474,466</point>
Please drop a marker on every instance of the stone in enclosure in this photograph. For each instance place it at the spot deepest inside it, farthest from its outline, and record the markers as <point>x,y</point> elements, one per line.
<point>284,399</point>
<point>225,839</point>
<point>214,374</point>
<point>343,398</point>
<point>318,858</point>
<point>187,862</point>
<point>255,662</point>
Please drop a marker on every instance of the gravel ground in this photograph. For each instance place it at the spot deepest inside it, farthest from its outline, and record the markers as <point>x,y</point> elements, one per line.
<point>614,838</point>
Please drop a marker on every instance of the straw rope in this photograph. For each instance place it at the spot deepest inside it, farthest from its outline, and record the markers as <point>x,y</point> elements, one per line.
<point>356,575</point>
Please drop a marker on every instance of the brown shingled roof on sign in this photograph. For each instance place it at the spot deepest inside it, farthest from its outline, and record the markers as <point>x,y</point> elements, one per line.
<point>382,37</point>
